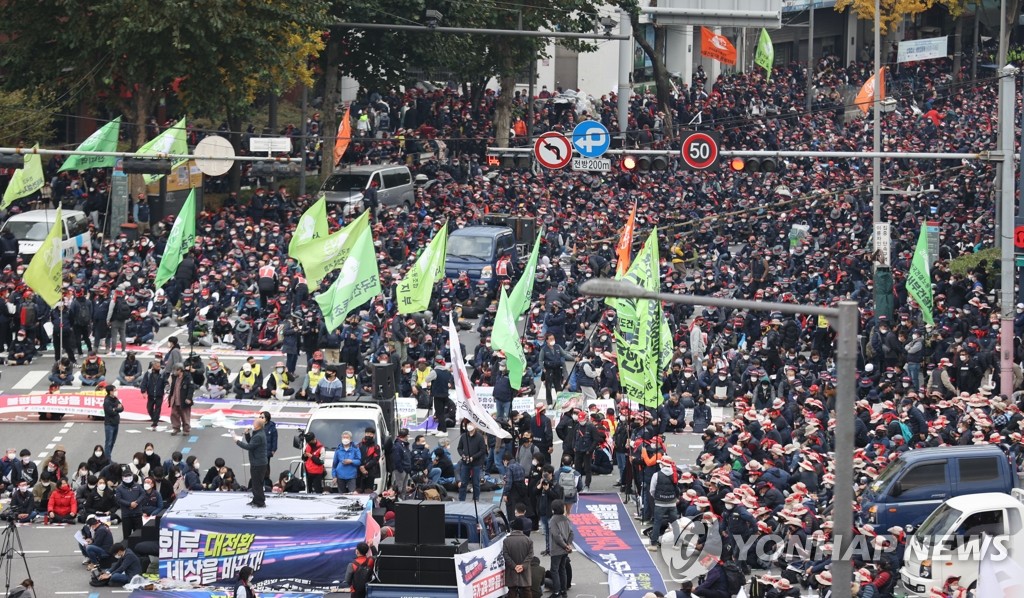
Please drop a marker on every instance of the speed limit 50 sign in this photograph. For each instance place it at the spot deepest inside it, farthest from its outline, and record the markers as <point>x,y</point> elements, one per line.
<point>700,150</point>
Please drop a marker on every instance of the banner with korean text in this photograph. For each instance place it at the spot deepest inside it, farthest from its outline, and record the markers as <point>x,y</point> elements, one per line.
<point>481,573</point>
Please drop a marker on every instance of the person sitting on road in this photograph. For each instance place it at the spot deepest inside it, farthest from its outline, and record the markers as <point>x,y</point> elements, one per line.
<point>94,370</point>
<point>247,383</point>
<point>63,373</point>
<point>23,505</point>
<point>98,542</point>
<point>279,380</point>
<point>124,569</point>
<point>22,351</point>
<point>62,506</point>
<point>130,373</point>
<point>216,380</point>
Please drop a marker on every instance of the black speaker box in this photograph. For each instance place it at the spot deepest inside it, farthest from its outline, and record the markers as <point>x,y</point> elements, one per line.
<point>438,576</point>
<point>385,385</point>
<point>450,548</point>
<point>407,530</point>
<point>526,231</point>
<point>431,522</point>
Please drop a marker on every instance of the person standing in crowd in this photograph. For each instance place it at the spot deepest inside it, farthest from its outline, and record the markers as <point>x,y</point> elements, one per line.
<point>244,587</point>
<point>129,495</point>
<point>553,358</point>
<point>112,409</point>
<point>255,442</point>
<point>369,462</point>
<point>153,387</point>
<point>180,389</point>
<point>562,538</point>
<point>472,453</point>
<point>441,383</point>
<point>313,463</point>
<point>347,460</point>
<point>517,551</point>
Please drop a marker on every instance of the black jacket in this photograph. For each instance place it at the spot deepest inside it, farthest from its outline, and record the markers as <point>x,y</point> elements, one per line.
<point>472,449</point>
<point>112,409</point>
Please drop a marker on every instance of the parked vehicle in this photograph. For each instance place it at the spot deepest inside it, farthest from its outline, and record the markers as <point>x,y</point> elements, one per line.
<point>916,482</point>
<point>348,186</point>
<point>30,228</point>
<point>953,539</point>
<point>476,250</point>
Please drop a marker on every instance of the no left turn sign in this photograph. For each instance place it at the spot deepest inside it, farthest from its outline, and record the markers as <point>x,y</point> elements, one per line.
<point>553,150</point>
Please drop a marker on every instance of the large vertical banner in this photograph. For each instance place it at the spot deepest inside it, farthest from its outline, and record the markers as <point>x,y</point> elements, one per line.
<point>638,337</point>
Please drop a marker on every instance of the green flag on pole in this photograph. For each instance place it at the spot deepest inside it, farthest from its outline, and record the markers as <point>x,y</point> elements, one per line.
<point>326,254</point>
<point>312,225</point>
<point>26,180</point>
<point>665,340</point>
<point>171,141</point>
<point>764,57</point>
<point>179,241</point>
<point>103,139</point>
<point>413,293</point>
<point>505,337</point>
<point>359,279</point>
<point>919,280</point>
<point>638,337</point>
<point>45,272</point>
<point>523,291</point>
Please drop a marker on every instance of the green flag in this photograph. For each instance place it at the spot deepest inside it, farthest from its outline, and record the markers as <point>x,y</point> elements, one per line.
<point>359,279</point>
<point>505,337</point>
<point>45,272</point>
<point>103,139</point>
<point>764,57</point>
<point>639,333</point>
<point>413,293</point>
<point>326,254</point>
<point>312,224</point>
<point>179,241</point>
<point>26,180</point>
<point>665,340</point>
<point>523,291</point>
<point>919,280</point>
<point>171,141</point>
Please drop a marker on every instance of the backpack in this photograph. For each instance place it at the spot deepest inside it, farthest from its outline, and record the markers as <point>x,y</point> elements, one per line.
<point>361,575</point>
<point>574,385</point>
<point>735,579</point>
<point>567,480</point>
<point>82,315</point>
<point>122,311</point>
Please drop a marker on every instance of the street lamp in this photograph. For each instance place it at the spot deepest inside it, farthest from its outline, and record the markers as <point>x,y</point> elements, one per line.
<point>844,318</point>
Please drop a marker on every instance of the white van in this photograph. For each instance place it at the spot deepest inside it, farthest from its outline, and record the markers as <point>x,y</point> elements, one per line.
<point>347,186</point>
<point>953,538</point>
<point>327,423</point>
<point>30,228</point>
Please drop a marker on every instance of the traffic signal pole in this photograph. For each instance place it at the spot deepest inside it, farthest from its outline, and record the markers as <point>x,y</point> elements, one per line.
<point>983,155</point>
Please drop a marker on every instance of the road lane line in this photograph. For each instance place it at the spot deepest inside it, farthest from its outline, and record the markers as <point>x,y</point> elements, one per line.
<point>30,379</point>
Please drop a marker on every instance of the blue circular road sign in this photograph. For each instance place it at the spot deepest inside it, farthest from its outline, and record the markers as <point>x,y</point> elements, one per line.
<point>591,139</point>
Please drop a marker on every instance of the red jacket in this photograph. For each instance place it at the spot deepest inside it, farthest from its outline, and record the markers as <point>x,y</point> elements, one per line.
<point>62,502</point>
<point>317,449</point>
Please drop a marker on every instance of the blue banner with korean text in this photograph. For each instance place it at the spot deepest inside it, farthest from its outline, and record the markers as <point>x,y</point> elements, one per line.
<point>605,534</point>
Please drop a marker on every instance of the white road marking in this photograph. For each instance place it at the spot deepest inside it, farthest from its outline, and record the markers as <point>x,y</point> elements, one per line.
<point>30,379</point>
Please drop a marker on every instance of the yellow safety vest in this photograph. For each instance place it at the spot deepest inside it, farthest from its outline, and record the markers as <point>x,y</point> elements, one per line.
<point>421,377</point>
<point>314,379</point>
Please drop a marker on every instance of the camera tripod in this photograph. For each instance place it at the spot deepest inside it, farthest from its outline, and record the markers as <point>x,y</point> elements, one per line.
<point>8,537</point>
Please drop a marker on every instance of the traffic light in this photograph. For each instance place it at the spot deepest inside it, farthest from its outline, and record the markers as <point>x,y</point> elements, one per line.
<point>12,161</point>
<point>509,161</point>
<point>643,163</point>
<point>767,164</point>
<point>146,166</point>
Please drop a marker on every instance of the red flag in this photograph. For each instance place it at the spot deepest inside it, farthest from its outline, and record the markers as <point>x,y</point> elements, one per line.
<point>344,136</point>
<point>625,245</point>
<point>866,95</point>
<point>716,46</point>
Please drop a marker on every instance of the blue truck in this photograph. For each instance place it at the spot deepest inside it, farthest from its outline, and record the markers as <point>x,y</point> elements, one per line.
<point>475,250</point>
<point>916,482</point>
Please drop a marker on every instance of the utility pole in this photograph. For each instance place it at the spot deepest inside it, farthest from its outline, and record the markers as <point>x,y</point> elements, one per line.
<point>302,141</point>
<point>625,62</point>
<point>810,60</point>
<point>1006,206</point>
<point>882,275</point>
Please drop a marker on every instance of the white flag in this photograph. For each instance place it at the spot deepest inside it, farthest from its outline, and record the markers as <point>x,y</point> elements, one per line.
<point>466,404</point>
<point>999,574</point>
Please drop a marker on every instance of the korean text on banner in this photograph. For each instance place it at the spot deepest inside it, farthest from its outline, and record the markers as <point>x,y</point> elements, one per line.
<point>312,225</point>
<point>912,50</point>
<point>919,279</point>
<point>179,241</point>
<point>45,272</point>
<point>413,293</point>
<point>171,141</point>
<point>716,46</point>
<point>866,96</point>
<point>624,249</point>
<point>481,573</point>
<point>103,139</point>
<point>358,281</point>
<point>638,335</point>
<point>520,296</point>
<point>326,254</point>
<point>505,337</point>
<point>764,57</point>
<point>26,180</point>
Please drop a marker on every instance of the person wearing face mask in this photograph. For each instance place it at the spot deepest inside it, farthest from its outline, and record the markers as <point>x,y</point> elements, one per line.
<point>25,469</point>
<point>330,388</point>
<point>312,459</point>
<point>129,495</point>
<point>81,478</point>
<point>42,491</point>
<point>472,451</point>
<point>255,442</point>
<point>369,462</point>
<point>278,383</point>
<point>721,390</point>
<point>139,466</point>
<point>61,505</point>
<point>22,350</point>
<point>345,468</point>
<point>22,508</point>
<point>552,357</point>
<point>112,409</point>
<point>6,468</point>
<point>914,349</point>
<point>152,503</point>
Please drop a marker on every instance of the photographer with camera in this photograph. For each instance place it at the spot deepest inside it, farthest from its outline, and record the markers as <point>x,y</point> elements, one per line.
<point>313,463</point>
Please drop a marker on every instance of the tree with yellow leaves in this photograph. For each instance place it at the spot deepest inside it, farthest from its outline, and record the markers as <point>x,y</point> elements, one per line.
<point>894,11</point>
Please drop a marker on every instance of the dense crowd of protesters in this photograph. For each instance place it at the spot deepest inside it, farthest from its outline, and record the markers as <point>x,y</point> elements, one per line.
<point>796,235</point>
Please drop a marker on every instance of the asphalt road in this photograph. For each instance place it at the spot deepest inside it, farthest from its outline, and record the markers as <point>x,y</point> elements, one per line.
<point>53,559</point>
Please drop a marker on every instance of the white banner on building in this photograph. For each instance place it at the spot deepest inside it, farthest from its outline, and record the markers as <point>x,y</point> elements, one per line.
<point>923,49</point>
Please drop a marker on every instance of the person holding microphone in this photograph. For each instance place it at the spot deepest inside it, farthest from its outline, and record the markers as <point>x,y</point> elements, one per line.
<point>255,442</point>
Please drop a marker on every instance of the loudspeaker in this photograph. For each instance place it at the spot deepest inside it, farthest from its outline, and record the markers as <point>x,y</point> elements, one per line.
<point>407,530</point>
<point>385,385</point>
<point>451,547</point>
<point>526,231</point>
<point>496,219</point>
<point>431,522</point>
<point>438,576</point>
